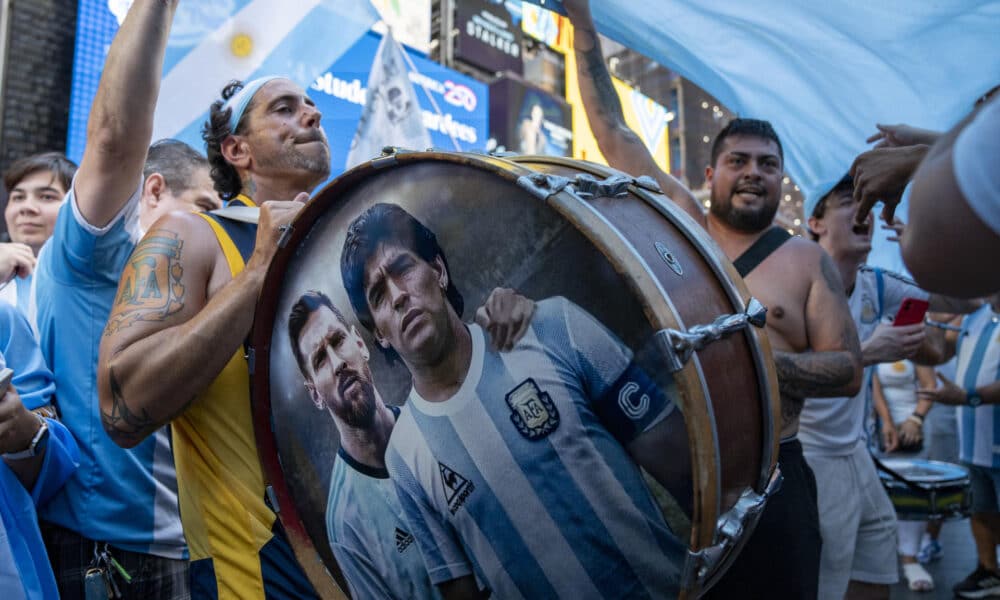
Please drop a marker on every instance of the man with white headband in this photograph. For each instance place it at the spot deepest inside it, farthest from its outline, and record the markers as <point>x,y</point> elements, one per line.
<point>179,358</point>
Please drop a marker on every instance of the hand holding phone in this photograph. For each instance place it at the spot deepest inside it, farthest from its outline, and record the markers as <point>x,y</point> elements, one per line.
<point>911,312</point>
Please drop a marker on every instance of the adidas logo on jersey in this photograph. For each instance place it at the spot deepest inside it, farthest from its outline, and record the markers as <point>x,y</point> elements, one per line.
<point>403,540</point>
<point>456,487</point>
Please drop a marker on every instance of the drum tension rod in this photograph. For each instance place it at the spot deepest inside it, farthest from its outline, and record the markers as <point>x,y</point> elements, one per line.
<point>679,346</point>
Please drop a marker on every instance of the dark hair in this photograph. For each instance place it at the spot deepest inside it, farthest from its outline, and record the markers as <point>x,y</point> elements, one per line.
<point>62,169</point>
<point>747,127</point>
<point>307,304</point>
<point>175,161</point>
<point>224,176</point>
<point>845,184</point>
<point>387,224</point>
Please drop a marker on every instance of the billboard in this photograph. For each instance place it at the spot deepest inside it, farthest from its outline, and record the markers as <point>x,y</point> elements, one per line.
<point>455,107</point>
<point>489,34</point>
<point>527,120</point>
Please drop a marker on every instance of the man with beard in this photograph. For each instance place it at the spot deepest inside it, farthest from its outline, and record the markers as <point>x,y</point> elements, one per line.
<point>173,348</point>
<point>364,520</point>
<point>815,344</point>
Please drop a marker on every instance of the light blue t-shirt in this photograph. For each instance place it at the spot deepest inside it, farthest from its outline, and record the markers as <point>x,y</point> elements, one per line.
<point>978,365</point>
<point>519,479</point>
<point>127,498</point>
<point>25,572</point>
<point>369,537</point>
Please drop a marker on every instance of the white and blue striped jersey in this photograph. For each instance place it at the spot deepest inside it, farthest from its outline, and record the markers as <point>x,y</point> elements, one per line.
<point>979,365</point>
<point>519,478</point>
<point>369,538</point>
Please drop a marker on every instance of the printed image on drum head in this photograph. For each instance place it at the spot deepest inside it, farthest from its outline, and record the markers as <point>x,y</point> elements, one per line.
<point>464,391</point>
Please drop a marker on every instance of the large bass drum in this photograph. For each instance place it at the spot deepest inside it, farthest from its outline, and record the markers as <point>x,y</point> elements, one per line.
<point>624,446</point>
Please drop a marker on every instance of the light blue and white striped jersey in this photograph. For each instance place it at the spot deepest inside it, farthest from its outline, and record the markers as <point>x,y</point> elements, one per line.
<point>127,498</point>
<point>978,356</point>
<point>518,480</point>
<point>369,538</point>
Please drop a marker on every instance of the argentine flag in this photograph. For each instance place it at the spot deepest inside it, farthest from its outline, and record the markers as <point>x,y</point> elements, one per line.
<point>823,73</point>
<point>214,41</point>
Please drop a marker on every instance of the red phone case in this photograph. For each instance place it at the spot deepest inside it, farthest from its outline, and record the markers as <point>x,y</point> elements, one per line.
<point>911,311</point>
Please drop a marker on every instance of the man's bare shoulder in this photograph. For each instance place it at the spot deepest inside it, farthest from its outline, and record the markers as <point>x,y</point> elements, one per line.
<point>191,232</point>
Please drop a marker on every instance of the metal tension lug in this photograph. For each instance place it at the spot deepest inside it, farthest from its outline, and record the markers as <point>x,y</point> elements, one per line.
<point>541,185</point>
<point>648,183</point>
<point>679,346</point>
<point>589,187</point>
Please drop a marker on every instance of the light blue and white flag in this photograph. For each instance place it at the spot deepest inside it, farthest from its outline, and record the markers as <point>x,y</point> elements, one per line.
<point>214,41</point>
<point>392,115</point>
<point>822,72</point>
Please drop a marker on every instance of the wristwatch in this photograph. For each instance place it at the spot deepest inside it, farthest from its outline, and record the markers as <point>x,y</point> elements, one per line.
<point>37,443</point>
<point>973,398</point>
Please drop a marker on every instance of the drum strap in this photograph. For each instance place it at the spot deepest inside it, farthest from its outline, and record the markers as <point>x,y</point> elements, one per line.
<point>760,250</point>
<point>910,484</point>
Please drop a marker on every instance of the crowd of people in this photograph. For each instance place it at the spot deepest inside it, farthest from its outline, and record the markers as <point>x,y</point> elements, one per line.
<point>130,466</point>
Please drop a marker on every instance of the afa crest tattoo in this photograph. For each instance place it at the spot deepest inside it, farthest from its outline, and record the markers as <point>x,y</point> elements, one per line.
<point>532,410</point>
<point>151,288</point>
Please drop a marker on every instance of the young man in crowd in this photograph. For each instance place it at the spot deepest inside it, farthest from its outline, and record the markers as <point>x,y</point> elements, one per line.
<point>180,360</point>
<point>35,187</point>
<point>857,519</point>
<point>123,502</point>
<point>976,391</point>
<point>808,322</point>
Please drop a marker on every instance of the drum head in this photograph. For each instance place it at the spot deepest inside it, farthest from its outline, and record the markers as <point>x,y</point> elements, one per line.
<point>394,434</point>
<point>924,471</point>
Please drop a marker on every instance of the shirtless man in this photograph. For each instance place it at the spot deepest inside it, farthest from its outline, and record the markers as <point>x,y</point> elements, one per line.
<point>816,349</point>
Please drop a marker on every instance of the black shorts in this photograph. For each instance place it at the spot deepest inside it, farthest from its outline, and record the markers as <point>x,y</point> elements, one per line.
<point>781,558</point>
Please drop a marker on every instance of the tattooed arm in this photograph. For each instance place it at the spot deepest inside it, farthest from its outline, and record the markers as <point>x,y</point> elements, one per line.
<point>832,367</point>
<point>177,320</point>
<point>619,144</point>
<point>121,119</point>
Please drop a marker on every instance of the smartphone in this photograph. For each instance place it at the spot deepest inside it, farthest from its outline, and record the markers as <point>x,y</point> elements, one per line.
<point>5,377</point>
<point>911,312</point>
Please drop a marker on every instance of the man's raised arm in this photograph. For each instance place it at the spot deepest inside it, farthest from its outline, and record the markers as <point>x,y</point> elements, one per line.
<point>121,118</point>
<point>832,367</point>
<point>619,144</point>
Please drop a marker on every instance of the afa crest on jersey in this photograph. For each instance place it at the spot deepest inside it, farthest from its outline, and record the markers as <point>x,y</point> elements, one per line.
<point>532,410</point>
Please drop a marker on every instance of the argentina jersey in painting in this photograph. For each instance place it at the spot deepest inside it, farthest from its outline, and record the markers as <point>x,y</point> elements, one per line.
<point>518,480</point>
<point>979,365</point>
<point>369,538</point>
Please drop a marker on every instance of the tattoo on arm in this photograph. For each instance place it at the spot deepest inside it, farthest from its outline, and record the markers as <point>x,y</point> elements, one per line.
<point>609,105</point>
<point>791,408</point>
<point>813,374</point>
<point>150,287</point>
<point>121,423</point>
<point>124,425</point>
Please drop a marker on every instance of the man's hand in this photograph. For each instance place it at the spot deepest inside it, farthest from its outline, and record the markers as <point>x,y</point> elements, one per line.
<point>16,260</point>
<point>889,343</point>
<point>17,424</point>
<point>946,393</point>
<point>275,218</point>
<point>506,316</point>
<point>910,432</point>
<point>894,136</point>
<point>890,437</point>
<point>882,174</point>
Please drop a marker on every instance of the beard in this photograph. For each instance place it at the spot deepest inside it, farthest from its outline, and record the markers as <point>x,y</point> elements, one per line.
<point>750,220</point>
<point>358,410</point>
<point>314,160</point>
